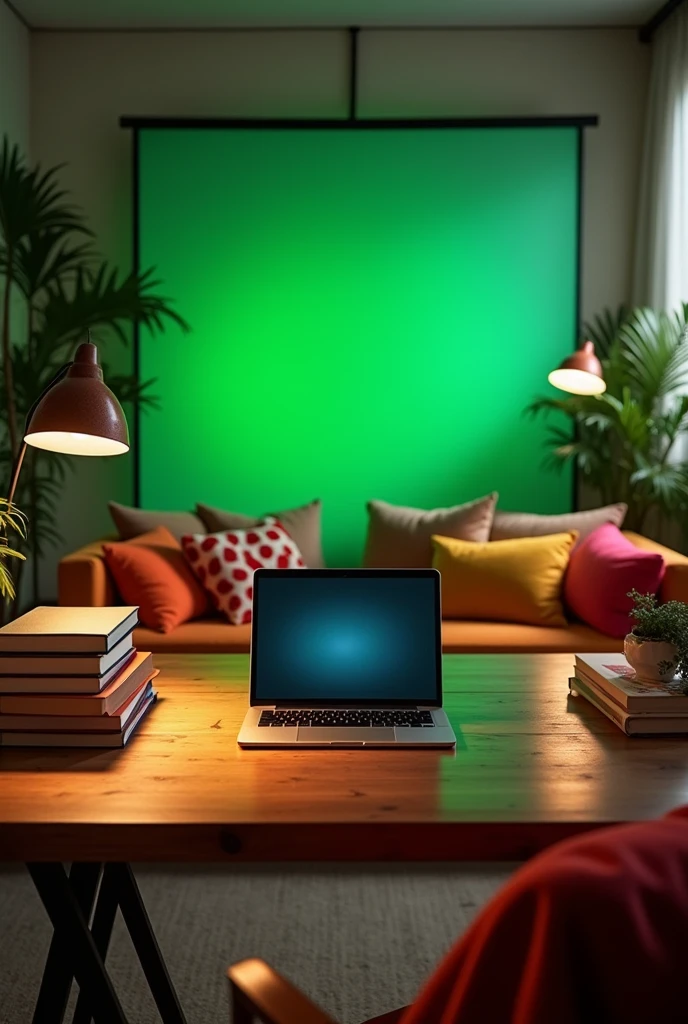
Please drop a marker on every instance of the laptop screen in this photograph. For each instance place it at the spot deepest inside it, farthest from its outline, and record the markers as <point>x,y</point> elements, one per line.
<point>350,636</point>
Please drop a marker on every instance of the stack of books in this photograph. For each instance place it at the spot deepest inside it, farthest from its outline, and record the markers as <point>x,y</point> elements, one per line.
<point>71,677</point>
<point>638,708</point>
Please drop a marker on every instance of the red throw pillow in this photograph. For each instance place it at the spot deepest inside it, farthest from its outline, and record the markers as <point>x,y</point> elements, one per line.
<point>225,562</point>
<point>602,570</point>
<point>151,571</point>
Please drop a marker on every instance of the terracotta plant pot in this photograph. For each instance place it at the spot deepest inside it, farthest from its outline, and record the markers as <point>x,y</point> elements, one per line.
<point>647,655</point>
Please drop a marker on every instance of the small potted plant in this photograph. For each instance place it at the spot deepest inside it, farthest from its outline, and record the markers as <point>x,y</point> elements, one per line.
<point>657,646</point>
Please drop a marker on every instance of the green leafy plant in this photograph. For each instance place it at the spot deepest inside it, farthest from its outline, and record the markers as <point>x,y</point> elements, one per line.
<point>666,622</point>
<point>624,442</point>
<point>10,519</point>
<point>56,287</point>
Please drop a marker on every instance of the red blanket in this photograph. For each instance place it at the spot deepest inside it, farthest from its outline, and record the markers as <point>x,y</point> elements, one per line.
<point>595,929</point>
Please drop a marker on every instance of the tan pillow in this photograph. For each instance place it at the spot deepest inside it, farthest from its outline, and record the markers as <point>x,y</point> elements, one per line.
<point>511,525</point>
<point>303,524</point>
<point>132,522</point>
<point>399,537</point>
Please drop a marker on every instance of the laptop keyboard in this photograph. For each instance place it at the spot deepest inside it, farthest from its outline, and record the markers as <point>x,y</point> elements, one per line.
<point>347,717</point>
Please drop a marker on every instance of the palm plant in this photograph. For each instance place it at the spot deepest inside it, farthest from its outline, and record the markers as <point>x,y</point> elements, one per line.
<point>625,441</point>
<point>56,287</point>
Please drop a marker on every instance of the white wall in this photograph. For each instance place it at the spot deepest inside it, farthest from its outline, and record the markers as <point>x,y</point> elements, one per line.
<point>82,82</point>
<point>14,78</point>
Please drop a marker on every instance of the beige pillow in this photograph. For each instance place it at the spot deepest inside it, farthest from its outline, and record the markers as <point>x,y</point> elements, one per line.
<point>303,524</point>
<point>511,525</point>
<point>399,537</point>
<point>132,522</point>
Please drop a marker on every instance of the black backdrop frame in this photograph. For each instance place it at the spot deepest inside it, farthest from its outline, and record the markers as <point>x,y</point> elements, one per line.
<point>350,123</point>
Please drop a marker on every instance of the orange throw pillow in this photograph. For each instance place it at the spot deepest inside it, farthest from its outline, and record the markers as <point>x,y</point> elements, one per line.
<point>151,571</point>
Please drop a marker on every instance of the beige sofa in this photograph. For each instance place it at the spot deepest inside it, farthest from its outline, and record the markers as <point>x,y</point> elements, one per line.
<point>84,579</point>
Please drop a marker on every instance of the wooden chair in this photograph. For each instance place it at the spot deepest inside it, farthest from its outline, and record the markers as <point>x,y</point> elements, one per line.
<point>259,993</point>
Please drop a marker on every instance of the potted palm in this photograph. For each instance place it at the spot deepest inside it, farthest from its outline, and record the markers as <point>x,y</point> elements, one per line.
<point>625,444</point>
<point>657,646</point>
<point>54,288</point>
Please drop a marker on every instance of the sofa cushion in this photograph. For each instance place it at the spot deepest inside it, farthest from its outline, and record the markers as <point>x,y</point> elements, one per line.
<point>132,522</point>
<point>674,585</point>
<point>601,572</point>
<point>508,525</point>
<point>217,636</point>
<point>225,563</point>
<point>399,537</point>
<point>151,571</point>
<point>302,524</point>
<point>202,636</point>
<point>505,580</point>
<point>512,637</point>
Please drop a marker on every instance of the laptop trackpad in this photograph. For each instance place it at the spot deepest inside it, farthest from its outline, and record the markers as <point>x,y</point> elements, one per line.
<point>349,734</point>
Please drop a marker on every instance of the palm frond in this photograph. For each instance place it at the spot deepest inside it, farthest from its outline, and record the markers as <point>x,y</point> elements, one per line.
<point>129,389</point>
<point>31,200</point>
<point>45,257</point>
<point>96,298</point>
<point>604,329</point>
<point>656,356</point>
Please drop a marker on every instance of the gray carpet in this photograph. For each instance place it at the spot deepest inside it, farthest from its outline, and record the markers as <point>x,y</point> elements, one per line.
<point>358,941</point>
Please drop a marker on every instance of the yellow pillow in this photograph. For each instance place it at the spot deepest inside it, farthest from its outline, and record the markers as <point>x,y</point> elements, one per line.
<point>504,580</point>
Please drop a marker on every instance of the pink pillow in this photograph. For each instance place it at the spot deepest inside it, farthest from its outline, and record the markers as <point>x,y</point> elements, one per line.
<point>602,569</point>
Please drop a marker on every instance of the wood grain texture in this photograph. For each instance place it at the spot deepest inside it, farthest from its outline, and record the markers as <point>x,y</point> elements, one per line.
<point>532,765</point>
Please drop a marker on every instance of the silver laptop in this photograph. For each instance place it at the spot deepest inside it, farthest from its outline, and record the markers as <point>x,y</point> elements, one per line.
<point>346,658</point>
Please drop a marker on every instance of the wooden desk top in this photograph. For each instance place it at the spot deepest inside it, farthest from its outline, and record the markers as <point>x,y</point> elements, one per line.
<point>532,765</point>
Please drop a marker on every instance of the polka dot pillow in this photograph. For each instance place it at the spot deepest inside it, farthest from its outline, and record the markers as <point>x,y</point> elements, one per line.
<point>225,562</point>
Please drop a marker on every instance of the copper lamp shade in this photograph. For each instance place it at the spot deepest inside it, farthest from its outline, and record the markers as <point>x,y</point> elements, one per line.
<point>79,415</point>
<point>581,373</point>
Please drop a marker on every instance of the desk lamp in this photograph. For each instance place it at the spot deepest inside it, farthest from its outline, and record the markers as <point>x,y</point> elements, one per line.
<point>76,414</point>
<point>580,373</point>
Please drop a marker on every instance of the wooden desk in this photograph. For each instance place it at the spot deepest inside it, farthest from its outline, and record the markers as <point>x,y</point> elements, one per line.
<point>532,766</point>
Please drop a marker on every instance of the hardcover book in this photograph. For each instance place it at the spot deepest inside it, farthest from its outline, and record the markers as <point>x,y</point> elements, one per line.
<point>65,664</point>
<point>107,702</point>
<point>612,674</point>
<point>58,630</point>
<point>80,739</point>
<point>66,683</point>
<point>75,723</point>
<point>632,725</point>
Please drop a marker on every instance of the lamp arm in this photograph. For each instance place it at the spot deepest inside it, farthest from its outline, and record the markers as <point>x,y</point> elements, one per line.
<point>16,468</point>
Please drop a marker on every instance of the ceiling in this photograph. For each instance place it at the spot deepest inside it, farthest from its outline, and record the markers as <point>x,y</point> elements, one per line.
<point>180,14</point>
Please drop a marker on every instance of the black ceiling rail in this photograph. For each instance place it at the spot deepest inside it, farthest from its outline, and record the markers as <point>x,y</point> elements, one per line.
<point>360,124</point>
<point>646,31</point>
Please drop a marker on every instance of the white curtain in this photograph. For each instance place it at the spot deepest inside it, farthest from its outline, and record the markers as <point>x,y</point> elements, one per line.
<point>661,264</point>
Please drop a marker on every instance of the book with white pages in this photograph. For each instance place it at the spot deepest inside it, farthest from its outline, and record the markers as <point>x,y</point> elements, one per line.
<point>93,683</point>
<point>68,630</point>
<point>80,739</point>
<point>107,702</point>
<point>80,723</point>
<point>631,725</point>
<point>87,665</point>
<point>614,676</point>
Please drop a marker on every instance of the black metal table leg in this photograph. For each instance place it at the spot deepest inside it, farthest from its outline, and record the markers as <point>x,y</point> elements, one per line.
<point>79,952</point>
<point>138,923</point>
<point>58,975</point>
<point>101,930</point>
<point>71,929</point>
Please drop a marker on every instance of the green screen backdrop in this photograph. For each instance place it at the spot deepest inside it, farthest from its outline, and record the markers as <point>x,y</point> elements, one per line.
<point>371,311</point>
